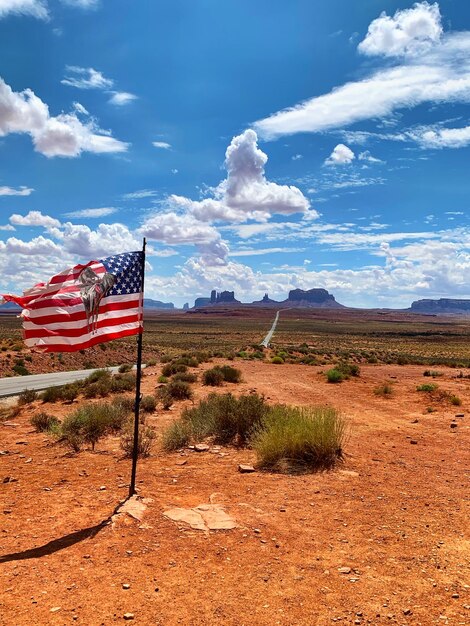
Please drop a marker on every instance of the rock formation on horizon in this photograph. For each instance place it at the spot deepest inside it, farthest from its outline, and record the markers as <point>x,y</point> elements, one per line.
<point>443,305</point>
<point>312,298</point>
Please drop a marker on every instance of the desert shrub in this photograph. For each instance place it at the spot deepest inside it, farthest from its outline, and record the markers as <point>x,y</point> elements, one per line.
<point>148,404</point>
<point>70,392</point>
<point>189,361</point>
<point>173,368</point>
<point>97,375</point>
<point>126,403</point>
<point>231,374</point>
<point>179,390</point>
<point>385,390</point>
<point>165,398</point>
<point>300,437</point>
<point>163,379</point>
<point>186,377</point>
<point>432,373</point>
<point>334,376</point>
<point>44,422</point>
<point>226,418</point>
<point>277,360</point>
<point>27,396</point>
<point>257,354</point>
<point>455,400</point>
<point>125,367</point>
<point>21,370</point>
<point>348,369</point>
<point>213,377</point>
<point>145,440</point>
<point>176,436</point>
<point>123,382</point>
<point>165,358</point>
<point>427,387</point>
<point>90,422</point>
<point>52,394</point>
<point>151,362</point>
<point>98,389</point>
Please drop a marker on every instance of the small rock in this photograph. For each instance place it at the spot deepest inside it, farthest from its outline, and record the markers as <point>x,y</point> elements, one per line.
<point>10,479</point>
<point>128,616</point>
<point>407,611</point>
<point>455,596</point>
<point>87,556</point>
<point>102,488</point>
<point>282,509</point>
<point>21,443</point>
<point>413,442</point>
<point>256,530</point>
<point>183,462</point>
<point>28,460</point>
<point>126,586</point>
<point>460,415</point>
<point>55,609</point>
<point>415,421</point>
<point>11,424</point>
<point>453,424</point>
<point>6,511</point>
<point>201,447</point>
<point>246,469</point>
<point>344,570</point>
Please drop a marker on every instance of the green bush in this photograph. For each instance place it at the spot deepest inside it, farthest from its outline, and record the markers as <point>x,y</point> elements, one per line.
<point>163,379</point>
<point>334,376</point>
<point>231,374</point>
<point>145,440</point>
<point>97,375</point>
<point>213,377</point>
<point>176,436</point>
<point>432,373</point>
<point>179,390</point>
<point>52,394</point>
<point>21,370</point>
<point>173,368</point>
<point>125,367</point>
<point>300,438</point>
<point>69,392</point>
<point>126,403</point>
<point>455,400</point>
<point>277,360</point>
<point>165,398</point>
<point>90,422</point>
<point>186,377</point>
<point>148,404</point>
<point>385,390</point>
<point>348,369</point>
<point>151,362</point>
<point>43,422</point>
<point>27,396</point>
<point>123,382</point>
<point>427,387</point>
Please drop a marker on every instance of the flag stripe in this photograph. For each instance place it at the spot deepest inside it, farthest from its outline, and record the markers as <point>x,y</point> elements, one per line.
<point>50,315</point>
<point>72,344</point>
<point>73,329</point>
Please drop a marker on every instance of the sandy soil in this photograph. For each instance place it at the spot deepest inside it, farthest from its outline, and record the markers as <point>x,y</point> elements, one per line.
<point>394,515</point>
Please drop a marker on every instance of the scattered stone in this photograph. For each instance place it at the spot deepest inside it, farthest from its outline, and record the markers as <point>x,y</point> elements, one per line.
<point>87,556</point>
<point>2,452</point>
<point>460,415</point>
<point>256,530</point>
<point>47,489</point>
<point>246,469</point>
<point>21,443</point>
<point>182,462</point>
<point>407,611</point>
<point>203,517</point>
<point>28,460</point>
<point>11,424</point>
<point>102,488</point>
<point>201,447</point>
<point>455,596</point>
<point>282,509</point>
<point>413,442</point>
<point>126,586</point>
<point>128,616</point>
<point>453,424</point>
<point>6,511</point>
<point>344,570</point>
<point>415,421</point>
<point>55,609</point>
<point>10,479</point>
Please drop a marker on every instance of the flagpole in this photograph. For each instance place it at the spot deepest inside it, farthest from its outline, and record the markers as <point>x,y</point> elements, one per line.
<point>135,450</point>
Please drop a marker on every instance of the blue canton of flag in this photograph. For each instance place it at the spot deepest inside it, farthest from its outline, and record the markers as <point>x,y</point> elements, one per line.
<point>127,270</point>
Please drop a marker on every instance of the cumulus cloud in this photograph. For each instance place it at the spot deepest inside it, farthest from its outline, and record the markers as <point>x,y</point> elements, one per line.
<point>20,191</point>
<point>100,212</point>
<point>173,229</point>
<point>439,137</point>
<point>341,155</point>
<point>64,135</point>
<point>409,31</point>
<point>34,218</point>
<point>367,156</point>
<point>440,74</point>
<point>35,8</point>
<point>107,239</point>
<point>37,246</point>
<point>245,193</point>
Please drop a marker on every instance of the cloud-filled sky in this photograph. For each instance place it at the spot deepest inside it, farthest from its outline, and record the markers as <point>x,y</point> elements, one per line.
<point>258,146</point>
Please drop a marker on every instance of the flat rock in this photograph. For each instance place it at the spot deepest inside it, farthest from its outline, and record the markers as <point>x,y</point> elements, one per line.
<point>204,517</point>
<point>246,469</point>
<point>344,570</point>
<point>201,447</point>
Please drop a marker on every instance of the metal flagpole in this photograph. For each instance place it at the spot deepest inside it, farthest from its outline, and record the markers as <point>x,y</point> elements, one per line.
<point>135,450</point>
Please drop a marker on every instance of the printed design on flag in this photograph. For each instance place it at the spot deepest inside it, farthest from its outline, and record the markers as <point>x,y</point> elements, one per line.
<point>93,289</point>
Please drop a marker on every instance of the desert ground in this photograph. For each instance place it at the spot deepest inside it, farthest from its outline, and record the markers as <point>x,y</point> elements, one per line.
<point>380,539</point>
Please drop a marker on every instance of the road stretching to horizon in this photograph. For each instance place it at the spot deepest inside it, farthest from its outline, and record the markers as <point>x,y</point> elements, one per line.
<point>269,336</point>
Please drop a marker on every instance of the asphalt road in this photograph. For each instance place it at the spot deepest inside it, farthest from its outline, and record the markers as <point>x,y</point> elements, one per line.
<point>269,336</point>
<point>15,385</point>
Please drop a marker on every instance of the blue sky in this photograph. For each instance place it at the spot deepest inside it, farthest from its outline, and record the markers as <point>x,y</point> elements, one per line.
<point>259,146</point>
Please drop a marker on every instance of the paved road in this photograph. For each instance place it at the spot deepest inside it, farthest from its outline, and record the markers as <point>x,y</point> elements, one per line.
<point>269,336</point>
<point>15,385</point>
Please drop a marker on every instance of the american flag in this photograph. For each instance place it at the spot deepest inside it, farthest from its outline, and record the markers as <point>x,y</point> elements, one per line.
<point>84,305</point>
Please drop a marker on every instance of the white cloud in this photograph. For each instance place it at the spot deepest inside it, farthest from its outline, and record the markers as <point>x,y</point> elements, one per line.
<point>11,191</point>
<point>82,4</point>
<point>161,144</point>
<point>409,31</point>
<point>441,137</point>
<point>121,98</point>
<point>166,252</point>
<point>341,155</point>
<point>100,212</point>
<point>261,251</point>
<point>366,156</point>
<point>142,193</point>
<point>245,193</point>
<point>35,8</point>
<point>296,157</point>
<point>441,74</point>
<point>64,135</point>
<point>34,218</point>
<point>107,239</point>
<point>37,246</point>
<point>86,78</point>
<point>174,229</point>
<point>7,227</point>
